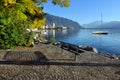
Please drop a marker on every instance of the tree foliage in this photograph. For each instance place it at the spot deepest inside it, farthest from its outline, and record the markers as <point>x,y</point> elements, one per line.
<point>62,3</point>
<point>18,15</point>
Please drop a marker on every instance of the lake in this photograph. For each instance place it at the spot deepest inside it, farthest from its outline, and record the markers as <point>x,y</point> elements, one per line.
<point>104,43</point>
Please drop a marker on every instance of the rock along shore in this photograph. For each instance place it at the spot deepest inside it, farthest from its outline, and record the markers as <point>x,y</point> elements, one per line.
<point>50,62</point>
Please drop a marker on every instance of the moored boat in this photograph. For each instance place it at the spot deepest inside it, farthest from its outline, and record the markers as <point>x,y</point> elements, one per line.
<point>100,32</point>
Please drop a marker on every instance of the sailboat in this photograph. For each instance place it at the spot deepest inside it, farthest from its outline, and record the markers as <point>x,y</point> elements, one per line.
<point>100,32</point>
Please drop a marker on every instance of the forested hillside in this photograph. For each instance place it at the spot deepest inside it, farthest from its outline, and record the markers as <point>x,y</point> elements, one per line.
<point>60,22</point>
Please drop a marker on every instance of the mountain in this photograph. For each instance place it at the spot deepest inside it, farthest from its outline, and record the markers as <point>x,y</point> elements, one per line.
<point>95,24</point>
<point>106,25</point>
<point>61,22</point>
<point>112,24</point>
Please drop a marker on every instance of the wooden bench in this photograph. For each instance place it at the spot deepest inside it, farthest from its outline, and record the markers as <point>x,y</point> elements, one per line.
<point>64,45</point>
<point>71,47</point>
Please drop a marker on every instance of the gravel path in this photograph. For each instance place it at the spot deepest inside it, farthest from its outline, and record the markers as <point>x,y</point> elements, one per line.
<point>49,62</point>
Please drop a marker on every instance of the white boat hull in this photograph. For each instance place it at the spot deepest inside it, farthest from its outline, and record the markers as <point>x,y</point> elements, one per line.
<point>100,32</point>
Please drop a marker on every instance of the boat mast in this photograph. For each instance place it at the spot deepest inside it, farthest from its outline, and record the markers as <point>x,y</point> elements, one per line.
<point>101,21</point>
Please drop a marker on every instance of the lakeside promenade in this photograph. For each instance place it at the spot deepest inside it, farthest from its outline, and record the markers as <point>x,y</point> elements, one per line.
<point>50,62</point>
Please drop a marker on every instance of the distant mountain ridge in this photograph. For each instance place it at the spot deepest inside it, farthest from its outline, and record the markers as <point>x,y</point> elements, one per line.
<point>106,25</point>
<point>62,22</point>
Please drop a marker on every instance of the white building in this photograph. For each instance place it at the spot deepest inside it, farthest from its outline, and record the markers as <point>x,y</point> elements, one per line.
<point>53,25</point>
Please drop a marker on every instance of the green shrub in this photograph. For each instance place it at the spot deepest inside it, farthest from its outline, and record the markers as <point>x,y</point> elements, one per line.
<point>11,36</point>
<point>52,40</point>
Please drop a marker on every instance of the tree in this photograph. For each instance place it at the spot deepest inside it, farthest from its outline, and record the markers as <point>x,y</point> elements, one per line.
<point>18,15</point>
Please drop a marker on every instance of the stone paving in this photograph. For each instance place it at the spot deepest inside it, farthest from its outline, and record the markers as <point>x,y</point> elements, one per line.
<point>48,62</point>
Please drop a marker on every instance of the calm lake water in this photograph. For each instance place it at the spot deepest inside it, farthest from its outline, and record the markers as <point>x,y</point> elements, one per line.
<point>104,43</point>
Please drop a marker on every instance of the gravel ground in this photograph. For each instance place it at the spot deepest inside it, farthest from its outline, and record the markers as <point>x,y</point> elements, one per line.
<point>49,62</point>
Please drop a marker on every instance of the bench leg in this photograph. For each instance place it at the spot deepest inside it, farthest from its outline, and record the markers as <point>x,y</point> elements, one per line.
<point>61,50</point>
<point>75,58</point>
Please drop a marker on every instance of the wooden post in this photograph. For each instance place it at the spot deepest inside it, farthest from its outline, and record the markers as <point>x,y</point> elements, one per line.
<point>75,58</point>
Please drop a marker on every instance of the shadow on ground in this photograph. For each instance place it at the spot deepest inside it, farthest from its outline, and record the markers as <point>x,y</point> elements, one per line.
<point>38,58</point>
<point>19,56</point>
<point>59,63</point>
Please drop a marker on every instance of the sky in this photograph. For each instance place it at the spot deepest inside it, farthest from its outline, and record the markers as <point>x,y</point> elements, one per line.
<point>87,11</point>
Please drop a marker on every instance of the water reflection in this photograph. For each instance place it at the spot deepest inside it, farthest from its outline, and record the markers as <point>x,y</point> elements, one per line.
<point>59,34</point>
<point>64,31</point>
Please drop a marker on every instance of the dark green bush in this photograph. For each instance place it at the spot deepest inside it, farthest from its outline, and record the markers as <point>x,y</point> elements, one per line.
<point>11,36</point>
<point>52,40</point>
